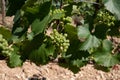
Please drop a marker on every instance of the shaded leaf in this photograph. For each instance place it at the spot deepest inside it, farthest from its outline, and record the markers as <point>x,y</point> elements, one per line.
<point>30,46</point>
<point>14,6</point>
<point>39,26</point>
<point>44,9</point>
<point>71,31</point>
<point>42,54</point>
<point>17,16</point>
<point>78,63</point>
<point>5,32</point>
<point>100,31</point>
<point>68,9</point>
<point>50,49</point>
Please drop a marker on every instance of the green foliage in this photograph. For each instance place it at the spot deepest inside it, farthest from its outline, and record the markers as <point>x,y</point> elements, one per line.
<point>104,55</point>
<point>43,29</point>
<point>9,52</point>
<point>5,32</point>
<point>113,6</point>
<point>14,60</point>
<point>41,55</point>
<point>90,41</point>
<point>37,26</point>
<point>83,31</point>
<point>14,6</point>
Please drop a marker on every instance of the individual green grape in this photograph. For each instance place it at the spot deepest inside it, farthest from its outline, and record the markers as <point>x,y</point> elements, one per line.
<point>60,40</point>
<point>104,17</point>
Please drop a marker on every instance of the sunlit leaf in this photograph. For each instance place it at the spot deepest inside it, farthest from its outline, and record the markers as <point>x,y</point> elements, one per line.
<point>91,42</point>
<point>113,6</point>
<point>83,31</point>
<point>104,56</point>
<point>15,60</point>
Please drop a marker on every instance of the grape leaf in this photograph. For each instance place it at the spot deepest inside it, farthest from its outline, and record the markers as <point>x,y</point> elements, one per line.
<point>71,31</point>
<point>105,59</point>
<point>39,26</point>
<point>104,55</point>
<point>83,31</point>
<point>78,63</point>
<point>107,45</point>
<point>14,60</point>
<point>5,32</point>
<point>30,46</point>
<point>58,15</point>
<point>17,16</point>
<point>90,43</point>
<point>42,54</point>
<point>50,49</point>
<point>113,6</point>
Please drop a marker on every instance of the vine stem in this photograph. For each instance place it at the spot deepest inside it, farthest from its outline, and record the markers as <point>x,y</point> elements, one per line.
<point>61,4</point>
<point>3,11</point>
<point>96,6</point>
<point>58,21</point>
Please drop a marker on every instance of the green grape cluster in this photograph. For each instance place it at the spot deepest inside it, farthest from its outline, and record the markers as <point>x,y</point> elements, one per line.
<point>104,17</point>
<point>57,12</point>
<point>5,49</point>
<point>60,40</point>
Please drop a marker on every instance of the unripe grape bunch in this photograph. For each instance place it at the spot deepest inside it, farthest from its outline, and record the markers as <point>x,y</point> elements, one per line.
<point>60,40</point>
<point>57,12</point>
<point>5,49</point>
<point>68,19</point>
<point>104,17</point>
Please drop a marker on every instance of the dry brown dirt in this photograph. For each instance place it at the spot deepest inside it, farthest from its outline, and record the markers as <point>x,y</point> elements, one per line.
<point>52,71</point>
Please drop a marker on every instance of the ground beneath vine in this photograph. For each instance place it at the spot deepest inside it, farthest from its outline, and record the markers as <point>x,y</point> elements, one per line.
<point>52,71</point>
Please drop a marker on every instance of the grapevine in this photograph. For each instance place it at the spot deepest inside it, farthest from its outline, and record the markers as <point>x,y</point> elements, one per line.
<point>75,28</point>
